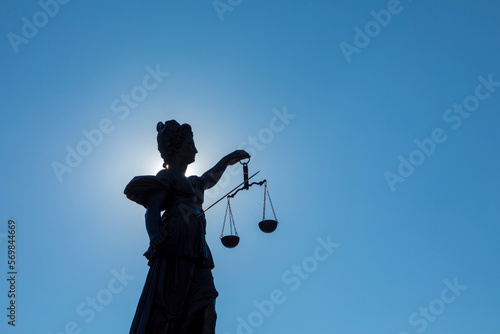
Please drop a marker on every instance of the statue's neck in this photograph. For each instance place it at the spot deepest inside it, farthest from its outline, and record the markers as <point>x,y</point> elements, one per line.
<point>178,168</point>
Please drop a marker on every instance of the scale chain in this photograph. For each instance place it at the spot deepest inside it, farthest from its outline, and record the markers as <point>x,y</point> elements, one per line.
<point>266,192</point>
<point>264,206</point>
<point>224,223</point>
<point>232,225</point>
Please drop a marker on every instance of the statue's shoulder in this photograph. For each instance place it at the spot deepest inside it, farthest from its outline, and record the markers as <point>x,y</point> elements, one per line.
<point>165,175</point>
<point>197,181</point>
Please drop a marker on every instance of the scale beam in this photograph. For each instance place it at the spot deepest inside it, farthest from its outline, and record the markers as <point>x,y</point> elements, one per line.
<point>247,186</point>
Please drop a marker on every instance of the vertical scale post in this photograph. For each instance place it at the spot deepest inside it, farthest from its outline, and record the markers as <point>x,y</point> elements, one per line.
<point>245,176</point>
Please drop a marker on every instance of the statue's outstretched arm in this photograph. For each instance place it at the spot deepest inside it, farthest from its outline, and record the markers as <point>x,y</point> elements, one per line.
<point>213,175</point>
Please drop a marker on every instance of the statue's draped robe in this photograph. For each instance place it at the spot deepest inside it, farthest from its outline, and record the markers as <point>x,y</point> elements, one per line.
<point>179,293</point>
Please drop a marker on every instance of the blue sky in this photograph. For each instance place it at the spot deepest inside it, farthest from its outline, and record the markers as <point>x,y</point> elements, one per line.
<point>387,204</point>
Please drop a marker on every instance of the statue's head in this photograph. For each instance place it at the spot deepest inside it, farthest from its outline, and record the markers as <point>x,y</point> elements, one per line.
<point>175,139</point>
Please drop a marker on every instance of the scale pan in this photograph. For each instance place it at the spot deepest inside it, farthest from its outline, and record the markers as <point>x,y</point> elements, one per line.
<point>268,225</point>
<point>230,241</point>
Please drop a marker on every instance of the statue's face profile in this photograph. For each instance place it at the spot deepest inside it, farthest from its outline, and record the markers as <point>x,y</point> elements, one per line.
<point>187,151</point>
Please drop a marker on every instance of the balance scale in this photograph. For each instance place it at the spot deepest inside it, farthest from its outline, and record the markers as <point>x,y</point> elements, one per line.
<point>232,239</point>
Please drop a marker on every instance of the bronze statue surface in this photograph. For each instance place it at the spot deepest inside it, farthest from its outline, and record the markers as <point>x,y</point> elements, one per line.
<point>179,293</point>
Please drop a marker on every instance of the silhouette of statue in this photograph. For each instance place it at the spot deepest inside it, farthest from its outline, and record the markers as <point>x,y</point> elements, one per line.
<point>179,293</point>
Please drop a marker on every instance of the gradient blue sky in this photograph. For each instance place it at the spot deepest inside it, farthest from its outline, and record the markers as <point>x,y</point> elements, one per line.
<point>397,249</point>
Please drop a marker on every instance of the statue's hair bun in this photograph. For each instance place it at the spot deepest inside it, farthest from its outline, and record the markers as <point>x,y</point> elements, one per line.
<point>159,126</point>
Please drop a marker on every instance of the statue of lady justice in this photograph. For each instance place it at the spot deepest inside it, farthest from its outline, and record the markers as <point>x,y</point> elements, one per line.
<point>179,293</point>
